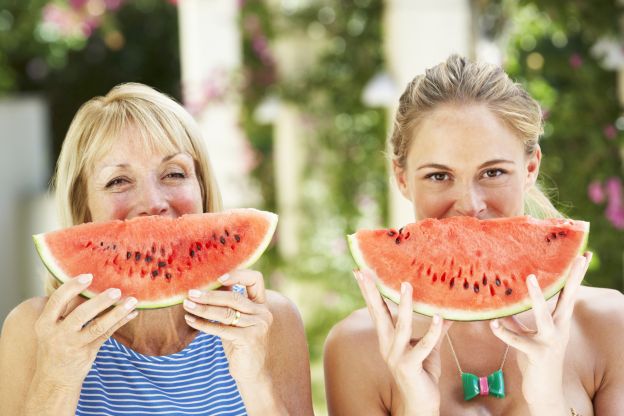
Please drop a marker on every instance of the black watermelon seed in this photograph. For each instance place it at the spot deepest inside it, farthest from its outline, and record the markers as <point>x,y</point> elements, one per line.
<point>452,282</point>
<point>168,276</point>
<point>222,240</point>
<point>162,251</point>
<point>137,256</point>
<point>466,285</point>
<point>391,233</point>
<point>476,287</point>
<point>547,240</point>
<point>198,245</point>
<point>162,263</point>
<point>508,291</point>
<point>484,280</point>
<point>400,230</point>
<point>214,236</point>
<point>114,246</point>
<point>155,273</point>
<point>553,235</point>
<point>101,244</point>
<point>497,281</point>
<point>227,234</point>
<point>128,255</point>
<point>561,233</point>
<point>398,240</point>
<point>153,248</point>
<point>148,258</point>
<point>192,253</point>
<point>237,237</point>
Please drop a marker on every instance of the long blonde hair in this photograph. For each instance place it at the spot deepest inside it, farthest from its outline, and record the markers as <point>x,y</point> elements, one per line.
<point>161,123</point>
<point>459,81</point>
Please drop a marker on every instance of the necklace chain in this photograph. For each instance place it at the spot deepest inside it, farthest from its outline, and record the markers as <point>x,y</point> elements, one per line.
<point>457,360</point>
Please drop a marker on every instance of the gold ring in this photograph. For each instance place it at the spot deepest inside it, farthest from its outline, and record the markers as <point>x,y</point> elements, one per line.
<point>237,316</point>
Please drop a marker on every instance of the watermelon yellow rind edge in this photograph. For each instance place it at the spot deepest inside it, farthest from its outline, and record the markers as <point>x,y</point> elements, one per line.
<point>459,314</point>
<point>56,271</point>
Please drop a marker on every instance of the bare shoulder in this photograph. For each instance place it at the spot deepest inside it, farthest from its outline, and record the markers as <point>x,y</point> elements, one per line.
<point>284,311</point>
<point>354,339</point>
<point>21,320</point>
<point>599,309</point>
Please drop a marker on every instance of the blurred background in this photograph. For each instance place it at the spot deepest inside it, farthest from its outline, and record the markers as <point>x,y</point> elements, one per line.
<point>295,98</point>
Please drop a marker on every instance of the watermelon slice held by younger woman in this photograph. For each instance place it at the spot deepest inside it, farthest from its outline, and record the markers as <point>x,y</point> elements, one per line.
<point>158,259</point>
<point>467,269</point>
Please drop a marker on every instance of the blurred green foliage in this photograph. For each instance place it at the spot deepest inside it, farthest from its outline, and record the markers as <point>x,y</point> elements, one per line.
<point>138,41</point>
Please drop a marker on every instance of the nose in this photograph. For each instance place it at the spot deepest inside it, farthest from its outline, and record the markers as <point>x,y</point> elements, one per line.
<point>152,200</point>
<point>470,202</point>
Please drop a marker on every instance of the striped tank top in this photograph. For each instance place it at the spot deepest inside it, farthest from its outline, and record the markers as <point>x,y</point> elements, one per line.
<point>194,381</point>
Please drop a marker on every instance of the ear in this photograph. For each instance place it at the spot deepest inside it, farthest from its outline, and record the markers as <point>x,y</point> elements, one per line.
<point>401,179</point>
<point>532,167</point>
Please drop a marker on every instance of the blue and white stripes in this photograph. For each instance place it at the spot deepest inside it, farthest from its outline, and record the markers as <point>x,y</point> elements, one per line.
<point>194,381</point>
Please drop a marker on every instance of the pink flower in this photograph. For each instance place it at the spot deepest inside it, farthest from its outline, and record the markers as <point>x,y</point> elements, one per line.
<point>576,61</point>
<point>77,4</point>
<point>615,206</point>
<point>610,131</point>
<point>595,192</point>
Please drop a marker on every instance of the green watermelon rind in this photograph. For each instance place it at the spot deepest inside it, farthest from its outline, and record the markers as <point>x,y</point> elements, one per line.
<point>52,266</point>
<point>462,314</point>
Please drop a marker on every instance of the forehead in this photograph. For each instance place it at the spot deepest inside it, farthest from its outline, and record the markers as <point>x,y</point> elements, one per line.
<point>463,134</point>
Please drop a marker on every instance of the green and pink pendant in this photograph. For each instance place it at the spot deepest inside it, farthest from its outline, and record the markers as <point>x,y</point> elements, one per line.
<point>492,385</point>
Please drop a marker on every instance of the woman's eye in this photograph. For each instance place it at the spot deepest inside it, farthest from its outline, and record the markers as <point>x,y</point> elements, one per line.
<point>492,173</point>
<point>438,176</point>
<point>176,175</point>
<point>116,182</point>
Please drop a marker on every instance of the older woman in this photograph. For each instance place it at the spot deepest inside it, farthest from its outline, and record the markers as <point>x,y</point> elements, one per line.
<point>130,153</point>
<point>465,142</point>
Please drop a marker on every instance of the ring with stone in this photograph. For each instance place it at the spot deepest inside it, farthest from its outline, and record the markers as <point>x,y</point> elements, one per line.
<point>237,316</point>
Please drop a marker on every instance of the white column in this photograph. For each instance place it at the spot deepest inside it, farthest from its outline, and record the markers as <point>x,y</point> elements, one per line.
<point>24,172</point>
<point>210,49</point>
<point>420,34</point>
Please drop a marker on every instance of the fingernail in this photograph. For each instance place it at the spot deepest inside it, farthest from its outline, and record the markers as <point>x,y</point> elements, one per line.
<point>495,324</point>
<point>189,318</point>
<point>194,293</point>
<point>224,278</point>
<point>189,304</point>
<point>436,319</point>
<point>85,278</point>
<point>133,314</point>
<point>532,281</point>
<point>114,293</point>
<point>404,287</point>
<point>130,302</point>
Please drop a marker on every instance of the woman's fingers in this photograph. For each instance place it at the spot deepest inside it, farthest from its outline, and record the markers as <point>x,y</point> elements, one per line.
<point>58,301</point>
<point>429,341</point>
<point>567,297</point>
<point>88,310</point>
<point>517,326</point>
<point>520,342</point>
<point>102,327</point>
<point>376,308</point>
<point>403,329</point>
<point>221,314</point>
<point>233,300</point>
<point>251,279</point>
<point>543,318</point>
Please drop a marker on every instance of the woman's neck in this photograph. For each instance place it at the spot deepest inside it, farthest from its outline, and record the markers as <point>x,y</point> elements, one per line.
<point>157,331</point>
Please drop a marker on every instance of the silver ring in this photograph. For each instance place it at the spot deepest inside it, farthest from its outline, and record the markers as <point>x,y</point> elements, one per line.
<point>237,316</point>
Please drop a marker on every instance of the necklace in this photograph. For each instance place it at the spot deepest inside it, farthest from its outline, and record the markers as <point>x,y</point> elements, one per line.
<point>492,385</point>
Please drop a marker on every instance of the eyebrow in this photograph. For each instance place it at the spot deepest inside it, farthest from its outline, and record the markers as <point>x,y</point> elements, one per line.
<point>444,167</point>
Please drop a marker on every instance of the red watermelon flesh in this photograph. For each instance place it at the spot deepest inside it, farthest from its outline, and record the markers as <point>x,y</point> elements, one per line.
<point>467,269</point>
<point>158,259</point>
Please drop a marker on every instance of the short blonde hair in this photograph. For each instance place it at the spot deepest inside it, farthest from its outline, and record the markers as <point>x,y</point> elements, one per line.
<point>460,81</point>
<point>161,123</point>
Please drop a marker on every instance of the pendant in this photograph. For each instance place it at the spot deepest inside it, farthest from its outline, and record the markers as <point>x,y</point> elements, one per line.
<point>492,385</point>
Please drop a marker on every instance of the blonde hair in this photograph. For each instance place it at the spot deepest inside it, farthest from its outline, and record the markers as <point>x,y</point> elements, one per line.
<point>459,81</point>
<point>161,123</point>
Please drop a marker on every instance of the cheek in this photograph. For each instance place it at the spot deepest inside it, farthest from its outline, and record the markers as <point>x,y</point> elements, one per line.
<point>505,201</point>
<point>187,199</point>
<point>431,203</point>
<point>110,207</point>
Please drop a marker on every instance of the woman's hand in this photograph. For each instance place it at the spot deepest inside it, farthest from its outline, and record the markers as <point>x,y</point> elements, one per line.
<point>68,339</point>
<point>242,322</point>
<point>542,351</point>
<point>415,366</point>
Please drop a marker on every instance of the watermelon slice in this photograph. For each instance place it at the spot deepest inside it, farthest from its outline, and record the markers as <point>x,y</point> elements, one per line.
<point>158,259</point>
<point>467,269</point>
